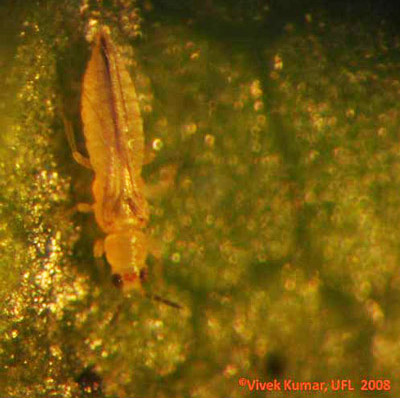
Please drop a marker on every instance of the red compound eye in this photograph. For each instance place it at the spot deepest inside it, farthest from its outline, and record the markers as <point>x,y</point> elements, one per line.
<point>144,274</point>
<point>117,281</point>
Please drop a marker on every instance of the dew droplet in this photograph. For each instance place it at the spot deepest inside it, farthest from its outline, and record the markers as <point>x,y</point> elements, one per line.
<point>157,144</point>
<point>176,257</point>
<point>209,140</point>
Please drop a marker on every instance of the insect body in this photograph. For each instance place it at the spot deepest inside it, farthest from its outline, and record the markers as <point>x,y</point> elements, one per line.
<point>114,138</point>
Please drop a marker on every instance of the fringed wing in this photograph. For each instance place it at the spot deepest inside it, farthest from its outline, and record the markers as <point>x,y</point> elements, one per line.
<point>114,136</point>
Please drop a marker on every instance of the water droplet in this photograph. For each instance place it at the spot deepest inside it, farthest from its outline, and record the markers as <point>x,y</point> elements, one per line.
<point>258,106</point>
<point>278,63</point>
<point>176,257</point>
<point>157,144</point>
<point>209,140</point>
<point>255,89</point>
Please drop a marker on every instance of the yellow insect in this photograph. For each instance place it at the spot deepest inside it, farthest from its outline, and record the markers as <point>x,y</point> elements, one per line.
<point>113,130</point>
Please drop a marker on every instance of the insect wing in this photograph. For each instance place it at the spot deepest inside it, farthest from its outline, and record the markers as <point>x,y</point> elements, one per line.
<point>114,132</point>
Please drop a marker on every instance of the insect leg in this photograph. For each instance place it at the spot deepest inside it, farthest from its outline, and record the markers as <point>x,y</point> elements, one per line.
<point>98,248</point>
<point>160,299</point>
<point>79,158</point>
<point>84,208</point>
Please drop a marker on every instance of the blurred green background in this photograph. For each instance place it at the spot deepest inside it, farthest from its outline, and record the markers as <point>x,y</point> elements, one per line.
<point>280,235</point>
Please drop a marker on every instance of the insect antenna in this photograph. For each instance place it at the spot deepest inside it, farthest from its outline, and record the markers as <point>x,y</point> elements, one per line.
<point>160,299</point>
